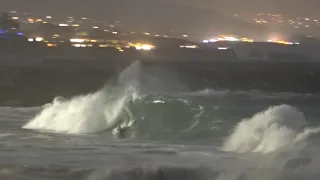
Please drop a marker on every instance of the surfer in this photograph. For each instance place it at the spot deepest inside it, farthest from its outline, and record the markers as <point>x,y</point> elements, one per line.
<point>121,131</point>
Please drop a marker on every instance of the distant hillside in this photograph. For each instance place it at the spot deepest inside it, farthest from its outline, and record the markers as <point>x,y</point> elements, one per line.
<point>144,14</point>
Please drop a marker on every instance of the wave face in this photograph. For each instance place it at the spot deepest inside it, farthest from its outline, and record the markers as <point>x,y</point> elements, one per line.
<point>270,130</point>
<point>155,109</point>
<point>148,125</point>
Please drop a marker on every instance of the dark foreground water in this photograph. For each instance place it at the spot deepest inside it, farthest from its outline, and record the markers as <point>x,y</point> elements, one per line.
<point>205,135</point>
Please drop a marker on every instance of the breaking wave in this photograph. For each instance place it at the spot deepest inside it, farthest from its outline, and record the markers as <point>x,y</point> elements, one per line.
<point>270,130</point>
<point>144,113</point>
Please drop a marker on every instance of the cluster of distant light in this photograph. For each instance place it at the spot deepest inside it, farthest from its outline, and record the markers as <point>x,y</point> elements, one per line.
<point>227,38</point>
<point>18,33</point>
<point>234,39</point>
<point>282,42</point>
<point>82,43</point>
<point>146,47</point>
<point>189,46</point>
<point>38,39</point>
<point>278,19</point>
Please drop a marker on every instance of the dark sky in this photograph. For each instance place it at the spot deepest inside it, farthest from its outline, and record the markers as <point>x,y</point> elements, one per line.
<point>301,7</point>
<point>307,7</point>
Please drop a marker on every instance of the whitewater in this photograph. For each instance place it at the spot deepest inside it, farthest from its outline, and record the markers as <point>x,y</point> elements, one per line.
<point>169,133</point>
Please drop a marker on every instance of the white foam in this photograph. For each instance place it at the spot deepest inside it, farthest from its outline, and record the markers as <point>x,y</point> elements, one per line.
<point>4,135</point>
<point>270,130</point>
<point>250,93</point>
<point>88,113</point>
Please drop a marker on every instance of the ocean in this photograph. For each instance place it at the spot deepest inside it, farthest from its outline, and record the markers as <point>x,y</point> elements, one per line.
<point>157,130</point>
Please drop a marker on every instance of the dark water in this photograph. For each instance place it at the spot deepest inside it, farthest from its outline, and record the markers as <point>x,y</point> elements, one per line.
<point>210,134</point>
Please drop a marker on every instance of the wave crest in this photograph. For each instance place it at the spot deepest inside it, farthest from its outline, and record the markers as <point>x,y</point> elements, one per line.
<point>269,130</point>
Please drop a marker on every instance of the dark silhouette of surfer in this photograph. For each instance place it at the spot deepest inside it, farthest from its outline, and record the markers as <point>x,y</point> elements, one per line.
<point>121,131</point>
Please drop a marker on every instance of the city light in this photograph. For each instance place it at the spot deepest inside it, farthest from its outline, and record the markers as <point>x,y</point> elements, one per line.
<point>81,39</point>
<point>51,45</point>
<point>227,38</point>
<point>79,45</point>
<point>77,40</point>
<point>222,48</point>
<point>189,46</point>
<point>39,39</point>
<point>103,45</point>
<point>63,25</point>
<point>246,40</point>
<point>146,47</point>
<point>279,41</point>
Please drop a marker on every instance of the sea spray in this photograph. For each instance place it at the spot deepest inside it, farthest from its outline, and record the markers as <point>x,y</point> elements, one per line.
<point>90,113</point>
<point>83,114</point>
<point>268,131</point>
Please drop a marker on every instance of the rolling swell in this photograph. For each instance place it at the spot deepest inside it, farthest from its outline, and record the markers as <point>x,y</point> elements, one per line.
<point>254,141</point>
<point>146,114</point>
<point>243,169</point>
<point>39,82</point>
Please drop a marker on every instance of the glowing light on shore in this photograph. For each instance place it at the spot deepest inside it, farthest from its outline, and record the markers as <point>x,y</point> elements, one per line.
<point>79,45</point>
<point>229,38</point>
<point>189,46</point>
<point>146,47</point>
<point>39,39</point>
<point>51,45</point>
<point>77,40</point>
<point>103,45</point>
<point>222,48</point>
<point>280,42</point>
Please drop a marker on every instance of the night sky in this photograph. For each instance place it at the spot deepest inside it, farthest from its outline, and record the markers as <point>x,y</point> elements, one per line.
<point>286,7</point>
<point>201,16</point>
